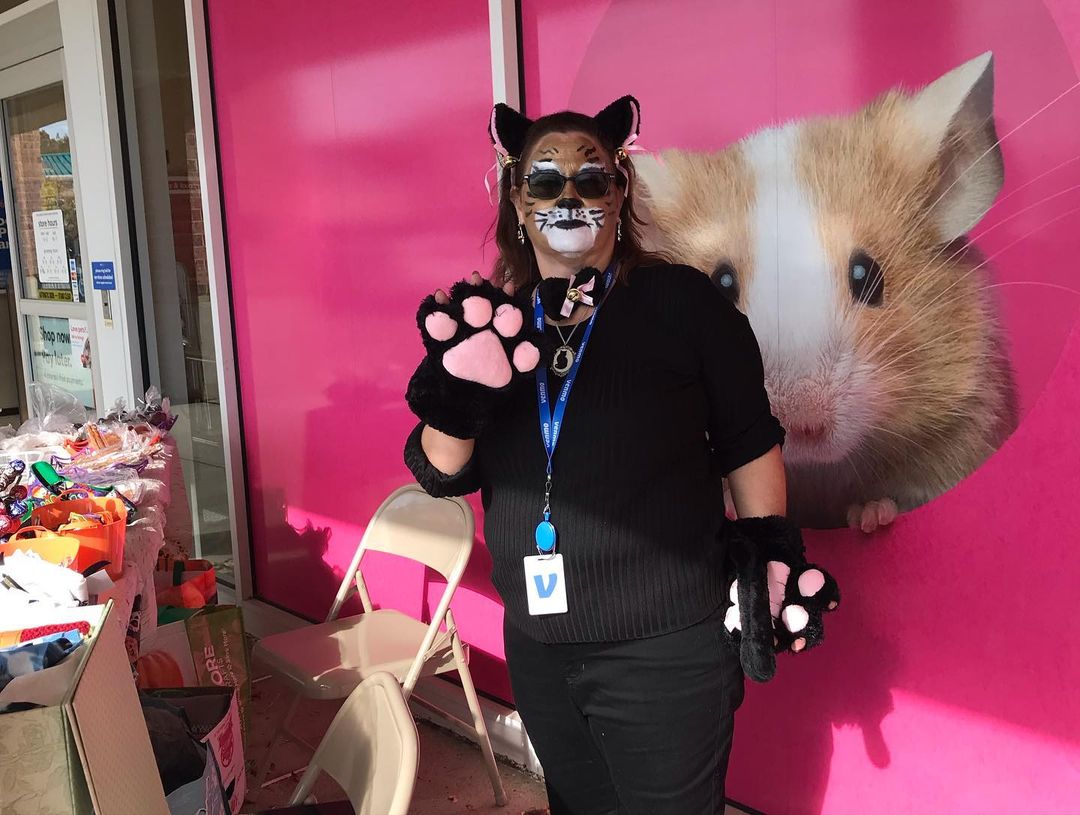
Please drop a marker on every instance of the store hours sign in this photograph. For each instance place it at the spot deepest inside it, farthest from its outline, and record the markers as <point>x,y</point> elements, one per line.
<point>51,246</point>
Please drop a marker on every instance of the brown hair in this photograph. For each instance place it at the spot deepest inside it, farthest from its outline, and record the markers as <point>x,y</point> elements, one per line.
<point>517,261</point>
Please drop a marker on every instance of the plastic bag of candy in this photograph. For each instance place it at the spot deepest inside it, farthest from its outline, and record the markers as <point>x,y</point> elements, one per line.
<point>53,410</point>
<point>153,410</point>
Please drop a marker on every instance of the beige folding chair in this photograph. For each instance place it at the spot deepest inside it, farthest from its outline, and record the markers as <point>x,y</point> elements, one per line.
<point>370,749</point>
<point>329,660</point>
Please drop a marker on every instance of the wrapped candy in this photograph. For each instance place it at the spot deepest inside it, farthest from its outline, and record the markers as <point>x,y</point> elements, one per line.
<point>11,473</point>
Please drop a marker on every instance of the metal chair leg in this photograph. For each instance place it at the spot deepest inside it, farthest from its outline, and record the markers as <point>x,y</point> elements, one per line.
<point>275,740</point>
<point>479,726</point>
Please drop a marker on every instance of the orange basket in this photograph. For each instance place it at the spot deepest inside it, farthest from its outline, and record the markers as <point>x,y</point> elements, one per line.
<point>54,547</point>
<point>104,542</point>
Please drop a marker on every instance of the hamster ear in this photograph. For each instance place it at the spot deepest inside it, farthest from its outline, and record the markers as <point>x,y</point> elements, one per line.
<point>955,116</point>
<point>620,121</point>
<point>507,129</point>
<point>658,192</point>
<point>657,186</point>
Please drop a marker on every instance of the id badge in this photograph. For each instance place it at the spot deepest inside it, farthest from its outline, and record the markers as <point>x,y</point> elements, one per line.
<point>545,584</point>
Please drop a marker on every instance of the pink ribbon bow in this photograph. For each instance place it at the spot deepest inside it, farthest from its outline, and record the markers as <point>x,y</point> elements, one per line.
<point>585,298</point>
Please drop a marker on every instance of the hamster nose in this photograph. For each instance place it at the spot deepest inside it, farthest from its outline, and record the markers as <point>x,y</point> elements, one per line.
<point>807,413</point>
<point>810,429</point>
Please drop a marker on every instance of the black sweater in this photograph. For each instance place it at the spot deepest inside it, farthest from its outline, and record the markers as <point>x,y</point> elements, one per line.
<point>669,398</point>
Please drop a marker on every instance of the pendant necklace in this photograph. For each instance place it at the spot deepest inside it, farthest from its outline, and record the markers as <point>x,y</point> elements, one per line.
<point>563,360</point>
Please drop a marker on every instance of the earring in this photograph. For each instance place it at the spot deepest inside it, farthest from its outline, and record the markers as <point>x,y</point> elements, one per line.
<point>618,231</point>
<point>521,235</point>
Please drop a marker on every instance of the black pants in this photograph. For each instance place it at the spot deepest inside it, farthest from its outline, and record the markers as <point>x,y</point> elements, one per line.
<point>641,727</point>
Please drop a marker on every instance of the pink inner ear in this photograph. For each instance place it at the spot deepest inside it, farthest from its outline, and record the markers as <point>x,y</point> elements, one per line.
<point>477,311</point>
<point>526,357</point>
<point>440,326</point>
<point>508,320</point>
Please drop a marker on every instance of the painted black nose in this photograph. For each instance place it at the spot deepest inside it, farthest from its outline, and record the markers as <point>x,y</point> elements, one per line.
<point>570,203</point>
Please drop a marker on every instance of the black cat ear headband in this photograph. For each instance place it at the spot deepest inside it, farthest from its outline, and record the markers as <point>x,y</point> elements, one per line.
<point>619,123</point>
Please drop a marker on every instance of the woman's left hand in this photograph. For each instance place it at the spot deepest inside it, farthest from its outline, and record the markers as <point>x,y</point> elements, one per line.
<point>776,599</point>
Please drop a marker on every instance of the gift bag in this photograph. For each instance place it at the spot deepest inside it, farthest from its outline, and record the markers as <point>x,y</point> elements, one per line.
<point>202,796</point>
<point>186,584</point>
<point>103,541</point>
<point>213,717</point>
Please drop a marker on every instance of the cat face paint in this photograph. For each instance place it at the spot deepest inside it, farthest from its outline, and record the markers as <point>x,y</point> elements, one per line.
<point>570,229</point>
<point>569,225</point>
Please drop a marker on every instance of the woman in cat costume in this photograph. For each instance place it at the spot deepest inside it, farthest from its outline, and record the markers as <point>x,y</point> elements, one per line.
<point>597,396</point>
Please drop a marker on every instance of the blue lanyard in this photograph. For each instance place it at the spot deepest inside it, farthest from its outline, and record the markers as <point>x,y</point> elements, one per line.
<point>552,420</point>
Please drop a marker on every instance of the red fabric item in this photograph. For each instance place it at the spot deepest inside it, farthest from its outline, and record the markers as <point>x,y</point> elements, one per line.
<point>28,634</point>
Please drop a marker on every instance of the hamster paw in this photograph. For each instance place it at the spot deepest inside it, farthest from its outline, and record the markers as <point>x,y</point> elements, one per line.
<point>873,514</point>
<point>478,336</point>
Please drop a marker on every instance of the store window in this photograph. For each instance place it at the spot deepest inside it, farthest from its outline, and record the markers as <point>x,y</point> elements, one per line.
<point>176,264</point>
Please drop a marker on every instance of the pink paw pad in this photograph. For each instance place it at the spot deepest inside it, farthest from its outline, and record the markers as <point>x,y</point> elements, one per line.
<point>508,320</point>
<point>811,582</point>
<point>480,359</point>
<point>795,618</point>
<point>440,326</point>
<point>526,357</point>
<point>477,311</point>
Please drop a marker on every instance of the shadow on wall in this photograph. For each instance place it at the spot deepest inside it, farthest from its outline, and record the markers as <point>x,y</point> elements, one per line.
<point>291,558</point>
<point>790,722</point>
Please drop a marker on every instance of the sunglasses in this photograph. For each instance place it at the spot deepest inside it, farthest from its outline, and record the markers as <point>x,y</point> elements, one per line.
<point>549,184</point>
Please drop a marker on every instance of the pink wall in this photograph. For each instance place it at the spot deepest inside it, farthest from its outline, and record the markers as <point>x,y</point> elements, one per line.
<point>353,152</point>
<point>947,682</point>
<point>945,686</point>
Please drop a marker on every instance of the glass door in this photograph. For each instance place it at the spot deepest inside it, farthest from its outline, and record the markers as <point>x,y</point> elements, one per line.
<point>53,321</point>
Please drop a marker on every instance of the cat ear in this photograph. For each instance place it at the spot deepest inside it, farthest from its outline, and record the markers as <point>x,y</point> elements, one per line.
<point>620,121</point>
<point>507,129</point>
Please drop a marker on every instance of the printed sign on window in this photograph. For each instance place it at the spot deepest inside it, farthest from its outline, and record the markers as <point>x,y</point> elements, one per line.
<point>60,354</point>
<point>51,246</point>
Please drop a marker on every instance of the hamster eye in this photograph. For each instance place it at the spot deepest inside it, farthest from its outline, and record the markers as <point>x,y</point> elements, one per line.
<point>866,279</point>
<point>725,279</point>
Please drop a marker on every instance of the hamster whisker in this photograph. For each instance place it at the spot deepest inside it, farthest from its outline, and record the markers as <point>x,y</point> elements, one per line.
<point>922,277</point>
<point>901,436</point>
<point>989,150</point>
<point>854,469</point>
<point>1027,184</point>
<point>930,343</point>
<point>921,312</point>
<point>1032,283</point>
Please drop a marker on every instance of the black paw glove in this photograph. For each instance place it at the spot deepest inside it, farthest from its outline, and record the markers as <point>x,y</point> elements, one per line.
<point>477,344</point>
<point>775,598</point>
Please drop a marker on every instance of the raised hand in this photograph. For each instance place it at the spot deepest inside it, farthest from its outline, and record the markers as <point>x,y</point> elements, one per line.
<point>478,341</point>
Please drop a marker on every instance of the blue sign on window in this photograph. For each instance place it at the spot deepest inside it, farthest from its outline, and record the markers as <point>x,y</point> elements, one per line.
<point>104,275</point>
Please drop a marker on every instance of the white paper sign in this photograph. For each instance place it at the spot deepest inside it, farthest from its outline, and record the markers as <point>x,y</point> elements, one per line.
<point>51,245</point>
<point>79,331</point>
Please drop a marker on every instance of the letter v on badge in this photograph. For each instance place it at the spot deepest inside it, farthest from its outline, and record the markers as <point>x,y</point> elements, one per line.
<point>545,584</point>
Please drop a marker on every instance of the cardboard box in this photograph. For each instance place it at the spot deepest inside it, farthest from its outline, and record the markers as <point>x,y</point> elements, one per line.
<point>89,752</point>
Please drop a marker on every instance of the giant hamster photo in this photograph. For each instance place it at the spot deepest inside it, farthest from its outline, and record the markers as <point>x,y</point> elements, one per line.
<point>844,240</point>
